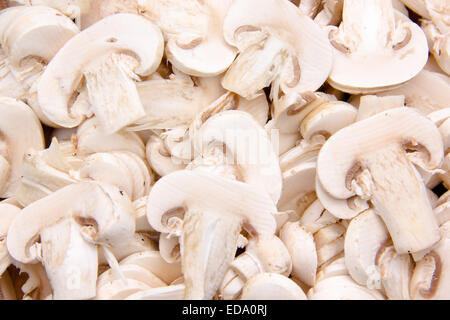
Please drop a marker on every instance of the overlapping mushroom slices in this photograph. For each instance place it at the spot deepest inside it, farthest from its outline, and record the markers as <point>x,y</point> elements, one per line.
<point>238,149</point>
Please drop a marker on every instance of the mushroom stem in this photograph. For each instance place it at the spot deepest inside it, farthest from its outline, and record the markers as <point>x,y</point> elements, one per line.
<point>112,89</point>
<point>409,219</point>
<point>371,23</point>
<point>70,262</point>
<point>208,245</point>
<point>255,68</point>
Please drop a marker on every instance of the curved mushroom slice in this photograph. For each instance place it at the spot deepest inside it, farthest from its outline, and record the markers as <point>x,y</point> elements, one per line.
<point>30,42</point>
<point>394,272</point>
<point>172,292</point>
<point>91,139</point>
<point>438,32</point>
<point>429,280</point>
<point>160,158</point>
<point>271,286</point>
<point>271,42</point>
<point>302,249</point>
<point>98,214</point>
<point>365,236</point>
<point>110,57</point>
<point>373,31</point>
<point>248,146</point>
<point>342,288</point>
<point>326,119</point>
<point>212,222</point>
<point>357,161</point>
<point>428,91</point>
<point>7,214</point>
<point>193,31</point>
<point>15,143</point>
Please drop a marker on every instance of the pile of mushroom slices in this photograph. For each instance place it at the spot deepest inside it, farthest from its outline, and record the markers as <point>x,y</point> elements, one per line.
<point>237,149</point>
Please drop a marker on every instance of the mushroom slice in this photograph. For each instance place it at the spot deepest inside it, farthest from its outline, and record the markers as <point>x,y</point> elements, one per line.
<point>365,235</point>
<point>429,280</point>
<point>358,159</point>
<point>342,288</point>
<point>272,49</point>
<point>7,214</point>
<point>215,209</point>
<point>172,292</point>
<point>373,31</point>
<point>108,55</point>
<point>153,262</point>
<point>251,150</point>
<point>326,119</point>
<point>370,105</point>
<point>271,286</point>
<point>173,102</point>
<point>302,249</point>
<point>89,139</point>
<point>428,91</point>
<point>193,30</point>
<point>15,143</point>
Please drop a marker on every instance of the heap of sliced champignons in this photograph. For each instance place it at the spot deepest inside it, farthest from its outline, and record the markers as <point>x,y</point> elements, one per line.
<point>236,149</point>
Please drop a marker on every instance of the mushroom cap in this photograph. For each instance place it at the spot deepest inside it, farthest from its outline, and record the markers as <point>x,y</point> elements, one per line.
<point>251,149</point>
<point>271,286</point>
<point>356,72</point>
<point>37,31</point>
<point>395,126</point>
<point>283,20</point>
<point>209,192</point>
<point>119,33</point>
<point>16,142</point>
<point>106,214</point>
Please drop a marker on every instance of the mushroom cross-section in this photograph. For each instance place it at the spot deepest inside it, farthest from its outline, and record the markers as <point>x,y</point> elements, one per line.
<point>375,47</point>
<point>110,55</point>
<point>373,159</point>
<point>277,44</point>
<point>69,223</point>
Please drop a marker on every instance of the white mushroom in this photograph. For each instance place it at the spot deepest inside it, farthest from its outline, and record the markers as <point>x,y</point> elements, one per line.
<point>271,286</point>
<point>366,151</point>
<point>110,57</point>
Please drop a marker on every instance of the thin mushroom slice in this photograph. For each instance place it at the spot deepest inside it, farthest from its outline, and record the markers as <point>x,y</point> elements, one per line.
<point>110,58</point>
<point>193,31</point>
<point>373,29</point>
<point>271,43</point>
<point>212,222</point>
<point>357,160</point>
<point>364,237</point>
<point>429,280</point>
<point>15,143</point>
<point>271,286</point>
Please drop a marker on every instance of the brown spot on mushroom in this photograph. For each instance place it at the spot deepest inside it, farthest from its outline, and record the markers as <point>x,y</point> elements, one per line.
<point>296,72</point>
<point>355,170</point>
<point>337,45</point>
<point>175,212</point>
<point>381,250</point>
<point>87,222</point>
<point>111,40</point>
<point>431,291</point>
<point>404,42</point>
<point>250,229</point>
<point>190,45</point>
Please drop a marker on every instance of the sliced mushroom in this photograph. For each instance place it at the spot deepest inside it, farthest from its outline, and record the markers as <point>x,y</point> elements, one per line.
<point>110,57</point>
<point>271,43</point>
<point>271,286</point>
<point>15,143</point>
<point>98,214</point>
<point>373,31</point>
<point>358,160</point>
